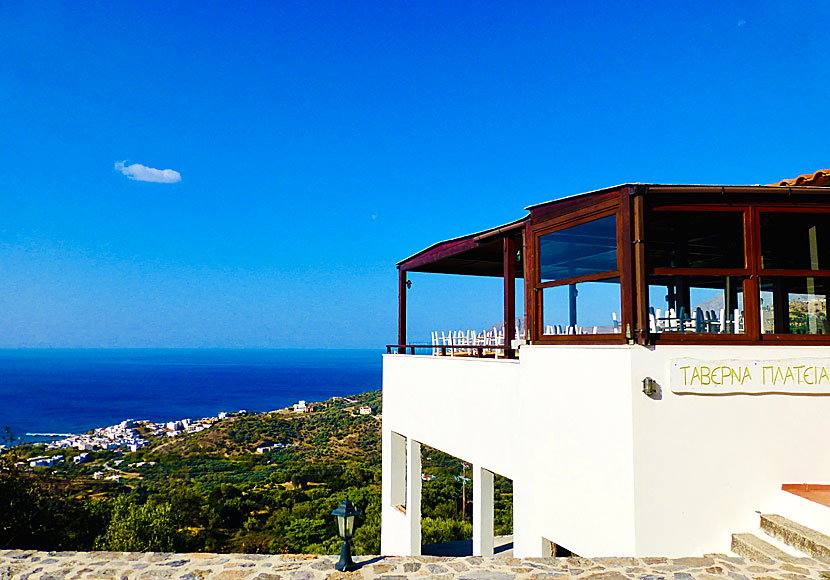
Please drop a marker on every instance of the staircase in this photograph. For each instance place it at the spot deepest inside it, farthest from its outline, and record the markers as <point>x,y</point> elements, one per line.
<point>783,537</point>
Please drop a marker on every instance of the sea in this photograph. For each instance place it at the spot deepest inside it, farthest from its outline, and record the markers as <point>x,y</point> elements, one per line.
<point>48,393</point>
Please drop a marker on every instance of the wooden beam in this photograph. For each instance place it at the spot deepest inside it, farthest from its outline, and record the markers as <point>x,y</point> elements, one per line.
<point>532,294</point>
<point>509,291</point>
<point>626,260</point>
<point>641,327</point>
<point>401,307</point>
<point>439,252</point>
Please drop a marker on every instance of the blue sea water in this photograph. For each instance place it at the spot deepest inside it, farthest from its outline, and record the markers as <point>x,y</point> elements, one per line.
<point>72,391</point>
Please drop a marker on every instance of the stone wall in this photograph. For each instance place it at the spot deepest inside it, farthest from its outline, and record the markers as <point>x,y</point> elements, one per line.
<point>30,565</point>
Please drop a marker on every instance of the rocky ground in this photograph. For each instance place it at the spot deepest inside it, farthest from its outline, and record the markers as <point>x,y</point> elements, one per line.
<point>30,565</point>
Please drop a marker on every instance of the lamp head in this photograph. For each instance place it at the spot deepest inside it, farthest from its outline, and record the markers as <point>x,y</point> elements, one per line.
<point>345,514</point>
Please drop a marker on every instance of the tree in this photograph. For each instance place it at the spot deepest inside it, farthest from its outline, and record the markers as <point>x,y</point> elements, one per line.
<point>136,527</point>
<point>439,530</point>
<point>37,513</point>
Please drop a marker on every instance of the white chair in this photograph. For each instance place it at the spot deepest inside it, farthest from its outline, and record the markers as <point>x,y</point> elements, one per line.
<point>671,317</point>
<point>453,341</point>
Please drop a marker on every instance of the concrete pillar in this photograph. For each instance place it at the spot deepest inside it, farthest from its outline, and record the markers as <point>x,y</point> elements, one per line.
<point>401,496</point>
<point>482,511</point>
<point>413,495</point>
<point>397,470</point>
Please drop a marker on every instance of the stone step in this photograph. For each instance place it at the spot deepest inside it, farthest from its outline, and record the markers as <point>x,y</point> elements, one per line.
<point>754,548</point>
<point>802,538</point>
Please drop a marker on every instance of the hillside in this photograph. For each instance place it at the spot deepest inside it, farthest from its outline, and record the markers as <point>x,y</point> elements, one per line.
<point>334,430</point>
<point>214,491</point>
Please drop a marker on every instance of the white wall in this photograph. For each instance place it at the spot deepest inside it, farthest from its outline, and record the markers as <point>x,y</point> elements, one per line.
<point>533,422</point>
<point>575,486</point>
<point>462,406</point>
<point>597,466</point>
<point>704,464</point>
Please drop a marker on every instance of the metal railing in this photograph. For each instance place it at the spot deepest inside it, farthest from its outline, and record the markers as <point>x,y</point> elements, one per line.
<point>479,351</point>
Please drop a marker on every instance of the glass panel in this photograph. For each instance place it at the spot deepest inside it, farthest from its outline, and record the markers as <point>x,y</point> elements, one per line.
<point>349,531</point>
<point>583,308</point>
<point>701,304</point>
<point>695,239</point>
<point>794,305</point>
<point>588,248</point>
<point>795,241</point>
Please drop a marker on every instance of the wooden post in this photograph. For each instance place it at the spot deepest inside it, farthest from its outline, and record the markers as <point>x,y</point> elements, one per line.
<point>639,293</point>
<point>529,286</point>
<point>401,309</point>
<point>509,293</point>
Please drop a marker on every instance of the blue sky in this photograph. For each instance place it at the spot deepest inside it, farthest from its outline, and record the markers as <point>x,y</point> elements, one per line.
<point>319,143</point>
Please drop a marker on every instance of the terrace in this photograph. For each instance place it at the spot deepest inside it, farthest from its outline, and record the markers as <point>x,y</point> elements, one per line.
<point>649,311</point>
<point>649,264</point>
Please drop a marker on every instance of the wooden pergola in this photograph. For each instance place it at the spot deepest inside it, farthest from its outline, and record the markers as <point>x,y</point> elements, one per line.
<point>494,252</point>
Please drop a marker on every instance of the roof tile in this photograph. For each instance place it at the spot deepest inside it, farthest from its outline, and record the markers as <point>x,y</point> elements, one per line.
<point>820,178</point>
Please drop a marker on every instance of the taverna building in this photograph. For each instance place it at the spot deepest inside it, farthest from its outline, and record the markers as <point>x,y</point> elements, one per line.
<point>672,378</point>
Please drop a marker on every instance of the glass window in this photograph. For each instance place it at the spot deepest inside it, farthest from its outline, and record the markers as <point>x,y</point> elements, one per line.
<point>795,241</point>
<point>794,305</point>
<point>588,248</point>
<point>695,239</point>
<point>700,304</point>
<point>582,308</point>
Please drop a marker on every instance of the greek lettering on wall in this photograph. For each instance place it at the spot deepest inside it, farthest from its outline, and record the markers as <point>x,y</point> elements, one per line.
<point>807,376</point>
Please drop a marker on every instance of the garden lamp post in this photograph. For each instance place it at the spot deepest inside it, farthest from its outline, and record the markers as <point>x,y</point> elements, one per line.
<point>345,514</point>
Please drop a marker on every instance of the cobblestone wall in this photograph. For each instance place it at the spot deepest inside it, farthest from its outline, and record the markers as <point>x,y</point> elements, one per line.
<point>29,565</point>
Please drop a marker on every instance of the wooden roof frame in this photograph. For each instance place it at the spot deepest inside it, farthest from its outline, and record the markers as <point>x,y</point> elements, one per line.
<point>491,252</point>
<point>466,255</point>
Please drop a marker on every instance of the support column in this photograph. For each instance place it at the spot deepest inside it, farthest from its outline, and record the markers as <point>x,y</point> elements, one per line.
<point>397,470</point>
<point>413,495</point>
<point>483,540</point>
<point>401,309</point>
<point>572,292</point>
<point>509,292</point>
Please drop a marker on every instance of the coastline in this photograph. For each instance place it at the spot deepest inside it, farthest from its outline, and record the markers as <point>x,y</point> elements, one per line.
<point>73,391</point>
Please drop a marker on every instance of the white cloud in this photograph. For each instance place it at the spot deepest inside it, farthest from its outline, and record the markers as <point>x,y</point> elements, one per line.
<point>143,173</point>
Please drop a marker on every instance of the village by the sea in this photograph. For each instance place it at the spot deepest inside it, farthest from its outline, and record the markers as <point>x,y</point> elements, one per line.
<point>64,395</point>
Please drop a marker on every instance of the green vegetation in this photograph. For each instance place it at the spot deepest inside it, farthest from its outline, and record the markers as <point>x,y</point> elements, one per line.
<point>211,491</point>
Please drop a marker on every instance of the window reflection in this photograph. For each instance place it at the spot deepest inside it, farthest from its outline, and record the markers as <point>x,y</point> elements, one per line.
<point>582,308</point>
<point>588,248</point>
<point>794,305</point>
<point>696,304</point>
<point>695,239</point>
<point>795,241</point>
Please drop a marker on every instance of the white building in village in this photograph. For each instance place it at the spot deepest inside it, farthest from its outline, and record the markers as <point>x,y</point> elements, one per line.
<point>674,377</point>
